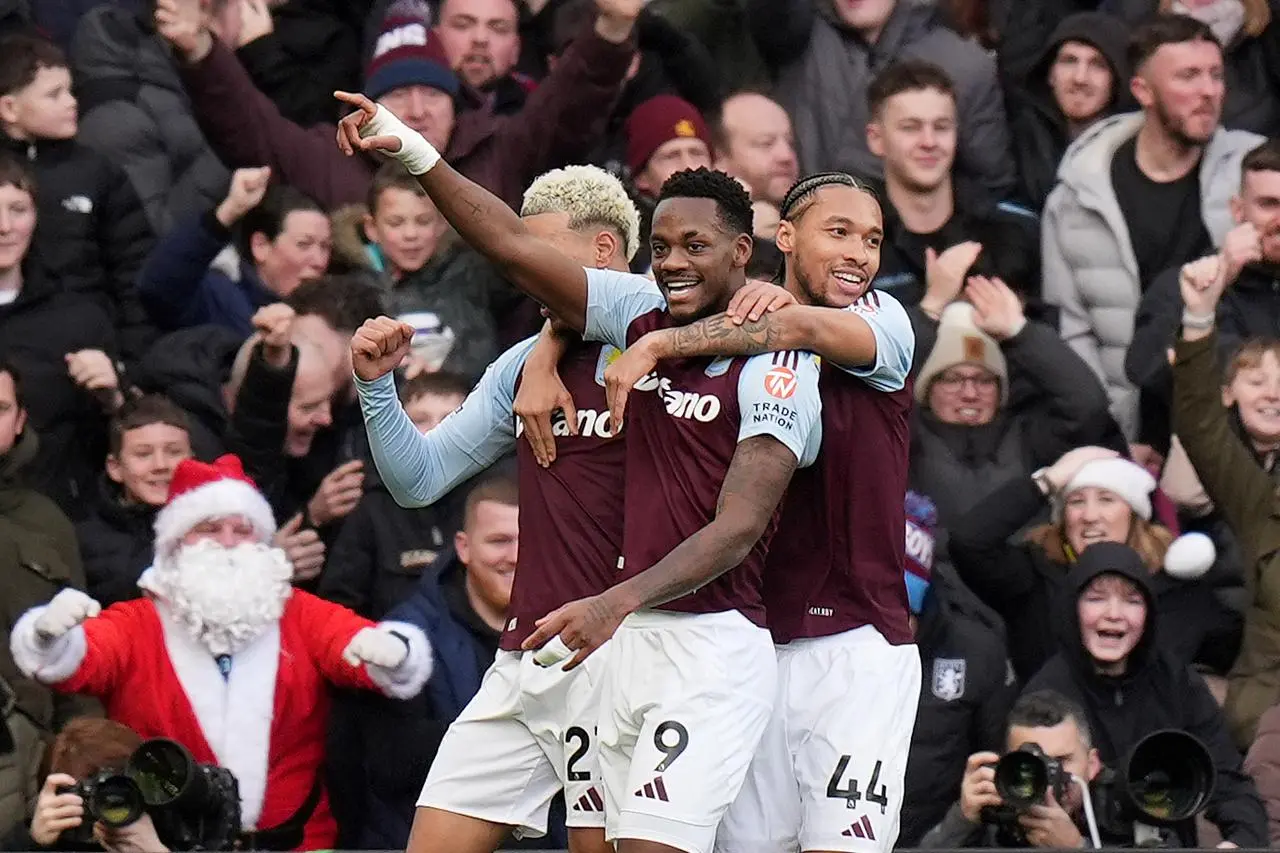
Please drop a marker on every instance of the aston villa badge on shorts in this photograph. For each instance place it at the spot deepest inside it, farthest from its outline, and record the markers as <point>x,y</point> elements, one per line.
<point>948,678</point>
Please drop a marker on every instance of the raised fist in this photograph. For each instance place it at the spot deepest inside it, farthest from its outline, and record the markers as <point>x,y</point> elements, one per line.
<point>376,647</point>
<point>378,347</point>
<point>68,609</point>
<point>248,186</point>
<point>273,324</point>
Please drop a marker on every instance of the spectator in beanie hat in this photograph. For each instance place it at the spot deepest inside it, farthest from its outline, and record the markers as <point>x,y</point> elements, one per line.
<point>665,134</point>
<point>968,685</point>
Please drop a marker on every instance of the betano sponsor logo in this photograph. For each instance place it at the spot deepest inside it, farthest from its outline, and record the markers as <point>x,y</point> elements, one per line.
<point>703,408</point>
<point>591,424</point>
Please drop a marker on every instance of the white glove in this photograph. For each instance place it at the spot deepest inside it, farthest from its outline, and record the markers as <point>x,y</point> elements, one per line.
<point>376,647</point>
<point>68,609</point>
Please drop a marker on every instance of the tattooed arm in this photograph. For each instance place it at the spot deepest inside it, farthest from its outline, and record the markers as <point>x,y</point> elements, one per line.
<point>495,230</point>
<point>844,337</point>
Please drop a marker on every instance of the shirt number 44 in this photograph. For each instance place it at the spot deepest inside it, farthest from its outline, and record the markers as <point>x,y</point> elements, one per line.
<point>839,790</point>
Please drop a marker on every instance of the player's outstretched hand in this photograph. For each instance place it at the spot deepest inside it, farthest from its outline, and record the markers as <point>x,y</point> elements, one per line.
<point>541,394</point>
<point>755,299</point>
<point>349,137</point>
<point>583,625</point>
<point>635,363</point>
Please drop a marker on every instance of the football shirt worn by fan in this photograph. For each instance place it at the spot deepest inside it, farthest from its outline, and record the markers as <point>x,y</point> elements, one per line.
<point>530,723</point>
<point>834,589</point>
<point>708,459</point>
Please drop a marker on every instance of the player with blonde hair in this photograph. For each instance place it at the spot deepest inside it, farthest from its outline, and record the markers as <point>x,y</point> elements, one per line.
<point>530,730</point>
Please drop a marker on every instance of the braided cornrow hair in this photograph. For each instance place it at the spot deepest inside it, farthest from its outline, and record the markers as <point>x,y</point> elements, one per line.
<point>804,189</point>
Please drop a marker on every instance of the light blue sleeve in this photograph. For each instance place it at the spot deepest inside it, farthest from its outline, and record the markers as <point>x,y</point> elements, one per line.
<point>895,341</point>
<point>778,396</point>
<point>418,469</point>
<point>614,299</point>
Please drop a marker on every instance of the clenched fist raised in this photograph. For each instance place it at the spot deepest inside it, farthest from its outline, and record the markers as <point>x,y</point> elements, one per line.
<point>378,347</point>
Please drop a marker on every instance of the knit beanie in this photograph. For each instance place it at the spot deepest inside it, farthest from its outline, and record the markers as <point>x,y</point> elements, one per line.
<point>922,523</point>
<point>657,121</point>
<point>960,341</point>
<point>407,53</point>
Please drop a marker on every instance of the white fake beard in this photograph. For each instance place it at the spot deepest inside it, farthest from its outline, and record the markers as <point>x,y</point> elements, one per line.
<point>225,597</point>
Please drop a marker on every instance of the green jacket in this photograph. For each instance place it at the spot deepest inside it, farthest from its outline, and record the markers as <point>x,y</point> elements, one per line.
<point>38,557</point>
<point>21,751</point>
<point>1248,500</point>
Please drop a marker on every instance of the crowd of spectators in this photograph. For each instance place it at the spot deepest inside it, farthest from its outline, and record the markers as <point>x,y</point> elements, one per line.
<point>185,255</point>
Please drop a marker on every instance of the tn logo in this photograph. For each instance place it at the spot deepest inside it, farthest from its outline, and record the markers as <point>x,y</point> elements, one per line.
<point>780,382</point>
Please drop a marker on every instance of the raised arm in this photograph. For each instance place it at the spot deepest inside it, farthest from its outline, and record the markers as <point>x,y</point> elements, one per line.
<point>418,469</point>
<point>482,219</point>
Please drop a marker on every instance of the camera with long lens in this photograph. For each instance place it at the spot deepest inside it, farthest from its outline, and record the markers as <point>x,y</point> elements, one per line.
<point>1024,779</point>
<point>1164,782</point>
<point>193,806</point>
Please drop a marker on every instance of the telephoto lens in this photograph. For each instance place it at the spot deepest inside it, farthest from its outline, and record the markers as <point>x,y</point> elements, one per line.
<point>1022,779</point>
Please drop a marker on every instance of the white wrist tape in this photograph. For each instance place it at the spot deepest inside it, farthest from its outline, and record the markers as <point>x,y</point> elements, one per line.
<point>416,154</point>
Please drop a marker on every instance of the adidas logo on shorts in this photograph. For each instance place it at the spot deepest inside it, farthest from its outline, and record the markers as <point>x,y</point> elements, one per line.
<point>861,829</point>
<point>591,801</point>
<point>654,790</point>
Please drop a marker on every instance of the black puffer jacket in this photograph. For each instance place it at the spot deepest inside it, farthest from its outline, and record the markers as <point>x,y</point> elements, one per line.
<point>1155,692</point>
<point>37,331</point>
<point>133,109</point>
<point>116,545</point>
<point>1038,127</point>
<point>190,367</point>
<point>93,234</point>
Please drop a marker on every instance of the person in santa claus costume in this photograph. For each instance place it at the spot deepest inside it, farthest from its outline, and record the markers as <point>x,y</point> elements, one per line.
<point>224,655</point>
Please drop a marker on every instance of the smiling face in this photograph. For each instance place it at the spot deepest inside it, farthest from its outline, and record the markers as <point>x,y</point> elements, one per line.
<point>914,133</point>
<point>407,227</point>
<point>833,245</point>
<point>695,257</point>
<point>144,466</point>
<point>965,395</point>
<point>17,224</point>
<point>1113,613</point>
<point>488,546</point>
<point>1255,391</point>
<point>1091,514</point>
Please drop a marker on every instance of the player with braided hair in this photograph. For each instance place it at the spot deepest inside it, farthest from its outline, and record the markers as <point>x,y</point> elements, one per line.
<point>829,773</point>
<point>711,447</point>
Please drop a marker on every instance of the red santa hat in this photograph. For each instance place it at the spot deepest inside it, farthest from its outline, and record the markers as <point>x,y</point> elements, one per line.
<point>201,491</point>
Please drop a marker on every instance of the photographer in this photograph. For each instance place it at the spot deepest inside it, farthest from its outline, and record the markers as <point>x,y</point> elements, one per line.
<point>1110,664</point>
<point>1058,727</point>
<point>86,747</point>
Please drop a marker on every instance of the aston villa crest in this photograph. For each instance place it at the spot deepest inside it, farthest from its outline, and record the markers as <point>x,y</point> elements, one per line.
<point>948,678</point>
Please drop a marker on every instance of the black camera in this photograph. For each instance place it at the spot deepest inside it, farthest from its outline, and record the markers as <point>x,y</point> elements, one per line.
<point>1024,778</point>
<point>193,806</point>
<point>1166,780</point>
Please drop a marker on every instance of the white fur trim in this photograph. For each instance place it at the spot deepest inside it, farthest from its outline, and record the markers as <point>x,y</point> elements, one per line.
<point>235,714</point>
<point>48,664</point>
<point>1133,483</point>
<point>408,679</point>
<point>212,500</point>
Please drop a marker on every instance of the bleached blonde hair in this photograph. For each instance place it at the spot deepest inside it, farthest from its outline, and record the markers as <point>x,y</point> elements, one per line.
<point>590,196</point>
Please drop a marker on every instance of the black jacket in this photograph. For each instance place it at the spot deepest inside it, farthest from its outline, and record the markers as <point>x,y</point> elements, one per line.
<point>1036,122</point>
<point>116,544</point>
<point>966,690</point>
<point>1021,583</point>
<point>190,367</point>
<point>379,557</point>
<point>1010,249</point>
<point>1156,692</point>
<point>37,330</point>
<point>92,234</point>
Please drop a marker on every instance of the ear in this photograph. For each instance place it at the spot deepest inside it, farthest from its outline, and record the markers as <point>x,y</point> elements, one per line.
<point>606,245</point>
<point>786,238</point>
<point>875,138</point>
<point>462,546</point>
<point>20,421</point>
<point>644,182</point>
<point>1237,209</point>
<point>1094,767</point>
<point>8,109</point>
<point>259,247</point>
<point>370,228</point>
<point>1228,397</point>
<point>742,245</point>
<point>114,470</point>
<point>1141,91</point>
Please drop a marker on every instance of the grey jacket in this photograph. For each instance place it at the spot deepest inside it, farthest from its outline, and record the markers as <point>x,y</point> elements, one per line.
<point>1089,266</point>
<point>823,72</point>
<point>134,110</point>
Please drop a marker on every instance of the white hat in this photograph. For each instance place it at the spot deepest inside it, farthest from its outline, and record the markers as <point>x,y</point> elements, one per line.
<point>1133,483</point>
<point>201,491</point>
<point>960,341</point>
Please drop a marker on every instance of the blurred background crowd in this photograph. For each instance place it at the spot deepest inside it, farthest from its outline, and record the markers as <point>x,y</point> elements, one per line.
<point>185,254</point>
